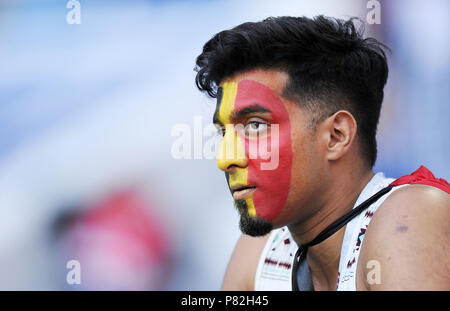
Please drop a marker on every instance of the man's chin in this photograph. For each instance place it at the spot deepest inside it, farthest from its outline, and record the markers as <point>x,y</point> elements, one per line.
<point>249,225</point>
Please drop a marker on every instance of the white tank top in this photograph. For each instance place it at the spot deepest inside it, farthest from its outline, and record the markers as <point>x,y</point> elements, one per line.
<point>275,264</point>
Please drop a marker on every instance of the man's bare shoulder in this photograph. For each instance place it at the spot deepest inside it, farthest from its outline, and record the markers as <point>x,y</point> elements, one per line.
<point>409,239</point>
<point>241,270</point>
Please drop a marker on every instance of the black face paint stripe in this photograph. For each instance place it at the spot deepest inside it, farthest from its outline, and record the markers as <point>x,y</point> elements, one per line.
<point>216,120</point>
<point>227,176</point>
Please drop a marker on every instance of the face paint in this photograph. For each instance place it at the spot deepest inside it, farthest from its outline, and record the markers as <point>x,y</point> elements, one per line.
<point>231,149</point>
<point>272,185</point>
<point>271,193</point>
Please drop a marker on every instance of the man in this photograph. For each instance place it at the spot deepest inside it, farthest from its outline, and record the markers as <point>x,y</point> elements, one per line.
<point>306,95</point>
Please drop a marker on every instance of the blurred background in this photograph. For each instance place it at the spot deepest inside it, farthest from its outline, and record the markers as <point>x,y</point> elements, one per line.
<point>87,113</point>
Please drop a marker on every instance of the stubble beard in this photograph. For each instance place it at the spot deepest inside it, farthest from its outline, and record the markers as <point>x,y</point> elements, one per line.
<point>249,225</point>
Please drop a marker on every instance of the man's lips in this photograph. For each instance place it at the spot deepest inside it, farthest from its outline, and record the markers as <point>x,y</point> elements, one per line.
<point>242,191</point>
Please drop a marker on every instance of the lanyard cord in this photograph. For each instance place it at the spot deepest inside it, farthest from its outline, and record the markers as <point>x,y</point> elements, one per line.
<point>300,255</point>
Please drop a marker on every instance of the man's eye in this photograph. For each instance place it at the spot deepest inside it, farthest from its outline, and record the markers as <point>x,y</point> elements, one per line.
<point>254,128</point>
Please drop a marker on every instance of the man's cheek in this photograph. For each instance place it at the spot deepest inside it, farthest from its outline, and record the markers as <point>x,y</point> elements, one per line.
<point>264,153</point>
<point>271,171</point>
<point>270,150</point>
<point>264,149</point>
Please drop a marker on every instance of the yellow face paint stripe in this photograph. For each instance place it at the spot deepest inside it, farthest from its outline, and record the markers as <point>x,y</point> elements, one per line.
<point>232,142</point>
<point>227,105</point>
<point>250,207</point>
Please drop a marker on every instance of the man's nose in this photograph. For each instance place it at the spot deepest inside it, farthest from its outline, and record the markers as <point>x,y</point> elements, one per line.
<point>231,151</point>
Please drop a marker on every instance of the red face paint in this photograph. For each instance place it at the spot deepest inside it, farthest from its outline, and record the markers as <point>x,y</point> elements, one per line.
<point>272,185</point>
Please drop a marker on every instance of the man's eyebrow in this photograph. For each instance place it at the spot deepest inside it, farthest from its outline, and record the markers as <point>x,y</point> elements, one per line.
<point>236,115</point>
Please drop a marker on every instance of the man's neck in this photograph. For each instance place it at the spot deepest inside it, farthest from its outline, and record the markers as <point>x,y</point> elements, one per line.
<point>323,258</point>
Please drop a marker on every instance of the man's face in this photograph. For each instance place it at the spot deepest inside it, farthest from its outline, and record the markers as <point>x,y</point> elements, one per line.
<point>265,149</point>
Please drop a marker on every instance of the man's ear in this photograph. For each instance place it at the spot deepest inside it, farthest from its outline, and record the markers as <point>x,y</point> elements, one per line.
<point>338,133</point>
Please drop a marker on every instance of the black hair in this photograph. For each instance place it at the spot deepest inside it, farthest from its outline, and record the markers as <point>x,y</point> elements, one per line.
<point>331,66</point>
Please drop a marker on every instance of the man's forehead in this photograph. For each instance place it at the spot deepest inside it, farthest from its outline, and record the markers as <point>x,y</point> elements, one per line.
<point>273,79</point>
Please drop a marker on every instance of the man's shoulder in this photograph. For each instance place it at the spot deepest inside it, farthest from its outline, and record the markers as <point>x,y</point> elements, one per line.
<point>241,270</point>
<point>418,207</point>
<point>406,231</point>
<point>415,201</point>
